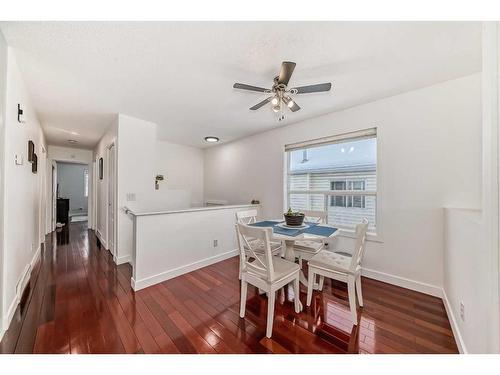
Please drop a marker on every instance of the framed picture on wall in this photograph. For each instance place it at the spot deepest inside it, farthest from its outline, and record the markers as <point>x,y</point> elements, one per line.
<point>31,151</point>
<point>101,165</point>
<point>34,164</point>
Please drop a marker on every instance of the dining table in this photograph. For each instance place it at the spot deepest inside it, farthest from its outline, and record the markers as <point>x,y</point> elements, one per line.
<point>289,235</point>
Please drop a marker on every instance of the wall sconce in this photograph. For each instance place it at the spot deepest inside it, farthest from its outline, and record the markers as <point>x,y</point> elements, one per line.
<point>20,114</point>
<point>158,178</point>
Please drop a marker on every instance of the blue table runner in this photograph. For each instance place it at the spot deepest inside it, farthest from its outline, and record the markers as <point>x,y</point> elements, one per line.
<point>314,228</point>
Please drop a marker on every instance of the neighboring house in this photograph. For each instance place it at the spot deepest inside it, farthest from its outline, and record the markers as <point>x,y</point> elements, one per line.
<point>342,210</point>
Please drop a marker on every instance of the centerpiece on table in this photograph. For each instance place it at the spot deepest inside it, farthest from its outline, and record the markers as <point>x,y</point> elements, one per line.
<point>294,218</point>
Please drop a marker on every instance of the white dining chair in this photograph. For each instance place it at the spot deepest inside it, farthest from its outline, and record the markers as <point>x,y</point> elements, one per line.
<point>342,268</point>
<point>249,217</point>
<point>246,217</point>
<point>306,249</point>
<point>265,271</point>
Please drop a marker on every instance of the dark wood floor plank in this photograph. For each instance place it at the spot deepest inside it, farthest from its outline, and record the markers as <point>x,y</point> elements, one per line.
<point>79,301</point>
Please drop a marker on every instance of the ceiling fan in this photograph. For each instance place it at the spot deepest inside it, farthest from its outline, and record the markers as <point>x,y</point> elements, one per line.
<point>280,93</point>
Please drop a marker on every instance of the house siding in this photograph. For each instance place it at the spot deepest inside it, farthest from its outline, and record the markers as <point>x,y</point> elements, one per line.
<point>345,216</point>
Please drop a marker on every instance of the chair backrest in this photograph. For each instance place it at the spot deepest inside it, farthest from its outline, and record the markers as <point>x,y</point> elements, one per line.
<point>247,236</point>
<point>360,245</point>
<point>246,217</point>
<point>315,216</point>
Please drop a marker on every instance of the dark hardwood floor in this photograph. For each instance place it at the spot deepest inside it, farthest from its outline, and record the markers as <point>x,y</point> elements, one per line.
<point>78,301</point>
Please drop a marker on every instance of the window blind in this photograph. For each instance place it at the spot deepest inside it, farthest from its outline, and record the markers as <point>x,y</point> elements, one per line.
<point>361,134</point>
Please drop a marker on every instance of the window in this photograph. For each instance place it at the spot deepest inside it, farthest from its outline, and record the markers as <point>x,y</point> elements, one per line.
<point>86,182</point>
<point>348,200</point>
<point>335,174</point>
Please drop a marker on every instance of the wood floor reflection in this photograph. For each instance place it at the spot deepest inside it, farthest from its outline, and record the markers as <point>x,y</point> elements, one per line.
<point>79,301</point>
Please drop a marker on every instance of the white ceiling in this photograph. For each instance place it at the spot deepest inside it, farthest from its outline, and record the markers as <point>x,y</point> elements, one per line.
<point>180,74</point>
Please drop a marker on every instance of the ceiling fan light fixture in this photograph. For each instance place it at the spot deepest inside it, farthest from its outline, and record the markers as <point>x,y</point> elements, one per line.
<point>290,103</point>
<point>274,101</point>
<point>276,108</point>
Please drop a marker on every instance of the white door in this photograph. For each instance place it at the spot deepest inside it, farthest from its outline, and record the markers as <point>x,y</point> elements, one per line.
<point>111,199</point>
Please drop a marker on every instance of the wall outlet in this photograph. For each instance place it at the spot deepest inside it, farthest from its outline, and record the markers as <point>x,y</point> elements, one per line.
<point>130,197</point>
<point>216,243</point>
<point>462,311</point>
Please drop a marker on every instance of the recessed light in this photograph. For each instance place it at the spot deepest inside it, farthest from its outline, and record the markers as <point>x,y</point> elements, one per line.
<point>211,139</point>
<point>72,141</point>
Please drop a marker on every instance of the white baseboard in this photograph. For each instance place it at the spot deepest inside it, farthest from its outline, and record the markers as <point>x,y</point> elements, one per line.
<point>103,242</point>
<point>403,282</point>
<point>36,256</point>
<point>170,274</point>
<point>123,259</point>
<point>10,314</point>
<point>454,326</point>
<point>24,279</point>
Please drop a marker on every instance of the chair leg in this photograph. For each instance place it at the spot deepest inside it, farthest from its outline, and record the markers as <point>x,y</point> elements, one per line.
<point>300,261</point>
<point>270,313</point>
<point>296,293</point>
<point>358,290</point>
<point>351,291</point>
<point>321,281</point>
<point>243,298</point>
<point>310,281</point>
<point>239,270</point>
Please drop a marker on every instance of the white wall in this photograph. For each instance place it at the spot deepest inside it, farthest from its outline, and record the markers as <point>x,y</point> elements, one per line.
<point>70,178</point>
<point>3,94</point>
<point>466,278</point>
<point>429,156</point>
<point>136,173</point>
<point>182,167</point>
<point>171,244</point>
<point>472,259</point>
<point>101,193</point>
<point>70,154</point>
<point>23,200</point>
<point>140,157</point>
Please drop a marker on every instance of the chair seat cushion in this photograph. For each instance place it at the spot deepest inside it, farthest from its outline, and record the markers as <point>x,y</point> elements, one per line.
<point>344,253</point>
<point>308,246</point>
<point>331,261</point>
<point>258,246</point>
<point>282,269</point>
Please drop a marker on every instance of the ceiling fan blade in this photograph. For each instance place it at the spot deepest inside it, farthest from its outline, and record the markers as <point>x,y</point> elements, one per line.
<point>242,86</point>
<point>313,88</point>
<point>294,107</point>
<point>261,104</point>
<point>287,68</point>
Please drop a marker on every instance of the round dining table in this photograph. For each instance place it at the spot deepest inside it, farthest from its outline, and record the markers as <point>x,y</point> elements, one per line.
<point>289,241</point>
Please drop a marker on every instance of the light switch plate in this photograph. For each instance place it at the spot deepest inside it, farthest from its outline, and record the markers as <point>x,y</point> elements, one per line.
<point>18,159</point>
<point>130,197</point>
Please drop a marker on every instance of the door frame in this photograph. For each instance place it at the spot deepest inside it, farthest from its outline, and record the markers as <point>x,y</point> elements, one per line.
<point>111,243</point>
<point>52,199</point>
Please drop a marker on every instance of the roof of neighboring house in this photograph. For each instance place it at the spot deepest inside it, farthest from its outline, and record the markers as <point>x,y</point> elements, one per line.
<point>359,155</point>
<point>338,169</point>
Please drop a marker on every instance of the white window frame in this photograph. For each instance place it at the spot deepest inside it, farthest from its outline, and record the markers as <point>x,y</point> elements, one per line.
<point>347,231</point>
